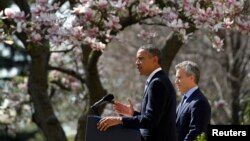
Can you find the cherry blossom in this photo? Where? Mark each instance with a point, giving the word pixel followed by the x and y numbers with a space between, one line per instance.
pixel 227 22
pixel 217 43
pixel 147 35
pixel 35 37
pixel 101 5
pixel 212 15
pixel 147 8
pixel 119 4
pixel 113 23
pixel 9 13
pixel 94 24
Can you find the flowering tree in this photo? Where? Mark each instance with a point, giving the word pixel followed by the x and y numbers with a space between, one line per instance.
pixel 228 93
pixel 68 37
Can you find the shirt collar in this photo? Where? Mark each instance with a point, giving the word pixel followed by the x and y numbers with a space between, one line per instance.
pixel 190 92
pixel 153 73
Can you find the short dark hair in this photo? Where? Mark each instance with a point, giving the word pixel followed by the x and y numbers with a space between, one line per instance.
pixel 154 51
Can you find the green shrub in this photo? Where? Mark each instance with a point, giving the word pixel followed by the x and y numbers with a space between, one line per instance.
pixel 201 137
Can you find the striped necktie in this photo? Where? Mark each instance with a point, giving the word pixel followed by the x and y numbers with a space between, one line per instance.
pixel 146 85
pixel 183 99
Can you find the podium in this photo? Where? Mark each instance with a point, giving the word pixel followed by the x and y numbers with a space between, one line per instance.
pixel 114 133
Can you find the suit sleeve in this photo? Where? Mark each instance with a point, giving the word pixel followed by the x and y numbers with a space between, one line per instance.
pixel 154 108
pixel 136 113
pixel 200 116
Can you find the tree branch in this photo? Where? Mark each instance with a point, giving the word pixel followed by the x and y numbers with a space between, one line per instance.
pixel 60 84
pixel 62 51
pixel 68 72
pixel 93 58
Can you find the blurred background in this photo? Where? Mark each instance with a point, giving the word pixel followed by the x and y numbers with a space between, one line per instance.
pixel 222 77
pixel 70 89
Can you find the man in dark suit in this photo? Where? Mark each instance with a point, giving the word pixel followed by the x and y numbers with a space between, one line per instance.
pixel 193 112
pixel 156 119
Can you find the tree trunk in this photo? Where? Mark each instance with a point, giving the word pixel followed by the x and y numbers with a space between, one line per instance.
pixel 235 102
pixel 43 114
pixel 96 92
pixel 235 84
pixel 236 45
pixel 169 51
pixel 235 110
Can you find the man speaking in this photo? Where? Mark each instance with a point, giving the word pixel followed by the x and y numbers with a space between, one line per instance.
pixel 156 119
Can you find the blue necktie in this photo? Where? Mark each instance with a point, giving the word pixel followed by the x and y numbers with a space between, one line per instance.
pixel 183 99
pixel 181 105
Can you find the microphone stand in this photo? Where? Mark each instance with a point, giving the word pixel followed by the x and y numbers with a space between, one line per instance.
pixel 96 112
pixel 106 99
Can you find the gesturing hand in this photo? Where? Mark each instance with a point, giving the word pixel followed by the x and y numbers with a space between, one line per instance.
pixel 125 110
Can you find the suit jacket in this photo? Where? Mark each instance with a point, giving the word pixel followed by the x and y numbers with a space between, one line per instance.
pixel 193 117
pixel 156 119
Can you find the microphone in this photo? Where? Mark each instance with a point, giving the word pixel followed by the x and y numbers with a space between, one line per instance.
pixel 106 99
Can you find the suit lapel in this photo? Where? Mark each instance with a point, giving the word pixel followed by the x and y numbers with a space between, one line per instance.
pixel 181 109
pixel 154 76
pixel 144 102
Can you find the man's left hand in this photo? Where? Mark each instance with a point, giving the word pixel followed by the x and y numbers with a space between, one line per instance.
pixel 107 122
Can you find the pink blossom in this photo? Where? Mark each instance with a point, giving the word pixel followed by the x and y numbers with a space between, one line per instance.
pixel 84 1
pixel 80 9
pixel 93 32
pixel 42 2
pixel 154 10
pixel 113 23
pixel 77 32
pixel 119 3
pixel 36 13
pixel 101 5
pixel 227 22
pixel 147 8
pixel 53 30
pixel 178 24
pixel 94 43
pixel 99 46
pixel 218 11
pixel 90 41
pixel 35 37
pixel 89 15
pixel 147 35
pixel 143 8
pixel 9 13
pixel 169 14
pixel 217 43
pixel 243 25
pixel 108 37
pixel 203 16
